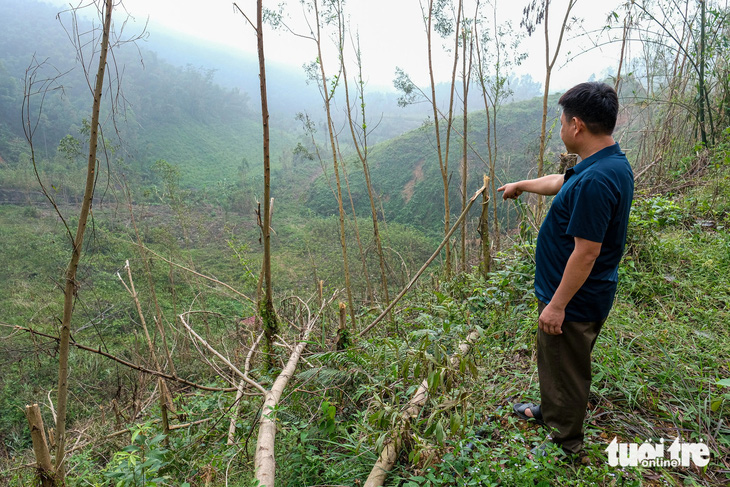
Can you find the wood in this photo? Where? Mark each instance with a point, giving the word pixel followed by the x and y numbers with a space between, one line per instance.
pixel 390 452
pixel 443 155
pixel 236 412
pixel 40 445
pixel 342 328
pixel 239 393
pixel 484 224
pixel 264 460
pixel 165 396
pixel 327 95
pixel 356 228
pixel 242 375
pixel 466 81
pixel 150 281
pixel 70 277
pixel 267 311
pixel 362 153
pixel 129 364
pixel 549 65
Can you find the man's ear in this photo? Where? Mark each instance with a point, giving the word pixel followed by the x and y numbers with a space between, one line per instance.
pixel 580 125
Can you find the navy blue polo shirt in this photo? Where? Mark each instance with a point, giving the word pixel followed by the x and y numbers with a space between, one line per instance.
pixel 594 204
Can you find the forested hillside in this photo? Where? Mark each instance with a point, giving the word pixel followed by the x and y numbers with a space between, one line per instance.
pixel 401 327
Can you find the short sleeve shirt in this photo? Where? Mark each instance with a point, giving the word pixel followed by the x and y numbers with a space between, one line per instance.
pixel 594 204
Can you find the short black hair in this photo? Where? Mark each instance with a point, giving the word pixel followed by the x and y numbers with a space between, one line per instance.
pixel 593 102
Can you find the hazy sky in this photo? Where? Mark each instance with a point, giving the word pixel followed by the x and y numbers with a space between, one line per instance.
pixel 391 32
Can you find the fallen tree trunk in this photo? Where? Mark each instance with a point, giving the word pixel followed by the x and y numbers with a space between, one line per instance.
pixel 390 452
pixel 264 460
pixel 239 394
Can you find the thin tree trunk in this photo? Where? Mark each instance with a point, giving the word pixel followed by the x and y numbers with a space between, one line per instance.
pixel 491 141
pixel 484 226
pixel 548 72
pixel 327 102
pixel 341 47
pixel 362 152
pixel 366 274
pixel 342 329
pixel 132 366
pixel 443 157
pixel 624 39
pixel 449 123
pixel 466 73
pixel 70 277
pixel 165 397
pixel 151 283
pixel 701 81
pixel 239 393
pixel 266 309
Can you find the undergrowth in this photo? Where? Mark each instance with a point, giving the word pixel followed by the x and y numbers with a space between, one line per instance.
pixel 661 370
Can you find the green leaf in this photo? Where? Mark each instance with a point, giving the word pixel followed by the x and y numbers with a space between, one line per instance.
pixel 439 432
pixel 723 382
pixel 455 422
pixel 135 433
pixel 434 380
pixel 157 439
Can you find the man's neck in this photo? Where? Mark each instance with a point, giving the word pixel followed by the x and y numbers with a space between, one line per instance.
pixel 595 144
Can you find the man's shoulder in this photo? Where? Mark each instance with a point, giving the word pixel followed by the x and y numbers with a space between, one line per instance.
pixel 614 166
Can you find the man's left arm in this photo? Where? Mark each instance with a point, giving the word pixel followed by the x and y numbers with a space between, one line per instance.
pixel 577 270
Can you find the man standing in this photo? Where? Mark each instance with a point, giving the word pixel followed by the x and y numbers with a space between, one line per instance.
pixel 579 247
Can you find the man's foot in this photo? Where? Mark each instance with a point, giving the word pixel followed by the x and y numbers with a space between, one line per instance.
pixel 528 410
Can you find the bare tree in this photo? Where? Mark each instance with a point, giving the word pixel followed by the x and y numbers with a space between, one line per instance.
pixel 467 47
pixel 538 12
pixel 89 46
pixel 443 27
pixel 77 240
pixel 689 32
pixel 360 141
pixel 265 307
pixel 497 48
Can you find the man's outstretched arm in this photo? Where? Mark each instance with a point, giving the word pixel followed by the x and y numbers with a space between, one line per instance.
pixel 546 186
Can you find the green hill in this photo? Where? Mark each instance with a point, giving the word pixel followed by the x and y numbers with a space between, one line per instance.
pixel 406 174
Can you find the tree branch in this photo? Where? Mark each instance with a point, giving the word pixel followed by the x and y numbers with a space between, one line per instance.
pixel 124 362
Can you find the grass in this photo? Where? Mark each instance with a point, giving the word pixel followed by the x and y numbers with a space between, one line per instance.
pixel 657 365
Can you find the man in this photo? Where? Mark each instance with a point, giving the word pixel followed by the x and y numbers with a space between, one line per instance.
pixel 578 251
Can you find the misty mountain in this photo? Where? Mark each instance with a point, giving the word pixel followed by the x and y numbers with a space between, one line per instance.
pixel 195 107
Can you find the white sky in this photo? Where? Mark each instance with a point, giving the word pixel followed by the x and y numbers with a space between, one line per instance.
pixel 391 32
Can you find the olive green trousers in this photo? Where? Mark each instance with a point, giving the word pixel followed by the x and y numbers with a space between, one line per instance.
pixel 564 369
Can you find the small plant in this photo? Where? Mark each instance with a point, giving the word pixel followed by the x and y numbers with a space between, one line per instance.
pixel 655 212
pixel 139 464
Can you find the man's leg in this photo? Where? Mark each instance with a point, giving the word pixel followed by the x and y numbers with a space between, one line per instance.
pixel 564 368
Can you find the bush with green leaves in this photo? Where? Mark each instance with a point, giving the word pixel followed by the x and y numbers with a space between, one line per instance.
pixel 142 463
